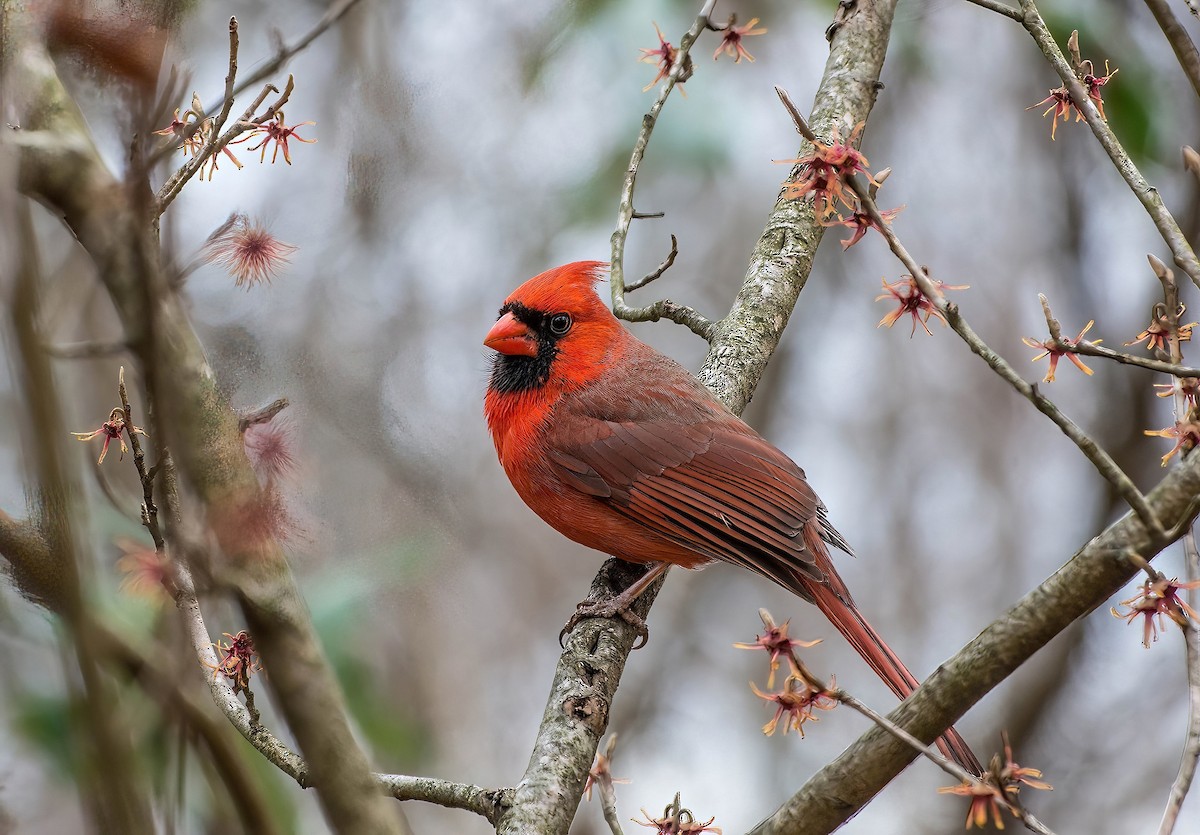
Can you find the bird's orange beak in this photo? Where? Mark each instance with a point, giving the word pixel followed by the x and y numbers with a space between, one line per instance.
pixel 511 336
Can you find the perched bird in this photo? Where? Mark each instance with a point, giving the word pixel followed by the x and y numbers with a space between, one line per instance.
pixel 619 448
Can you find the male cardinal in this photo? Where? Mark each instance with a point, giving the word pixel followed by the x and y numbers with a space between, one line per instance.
pixel 619 448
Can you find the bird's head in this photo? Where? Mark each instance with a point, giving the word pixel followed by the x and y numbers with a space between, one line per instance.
pixel 554 326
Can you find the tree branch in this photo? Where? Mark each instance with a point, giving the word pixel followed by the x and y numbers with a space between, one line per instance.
pixel 116 231
pixel 1096 572
pixel 1147 195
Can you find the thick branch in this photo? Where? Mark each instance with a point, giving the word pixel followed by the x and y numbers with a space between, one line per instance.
pixel 1093 574
pixel 115 230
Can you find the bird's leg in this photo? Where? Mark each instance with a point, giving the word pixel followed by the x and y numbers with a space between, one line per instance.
pixel 619 605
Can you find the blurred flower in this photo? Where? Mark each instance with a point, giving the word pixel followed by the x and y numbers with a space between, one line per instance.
pixel 254 521
pixel 1092 83
pixel 1060 102
pixel 775 640
pixel 1158 598
pixel 731 40
pixel 1055 352
pixel 860 222
pixel 688 825
pixel 984 798
pixel 600 775
pixel 1158 333
pixel 248 251
pixel 794 704
pixel 1185 432
pixel 147 572
pixel 913 302
pixel 237 660
pixel 276 131
pixel 110 430
pixel 269 448
pixel 822 171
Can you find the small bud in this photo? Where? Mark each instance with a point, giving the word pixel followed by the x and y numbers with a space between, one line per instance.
pixel 1160 269
pixel 1073 48
pixel 1191 160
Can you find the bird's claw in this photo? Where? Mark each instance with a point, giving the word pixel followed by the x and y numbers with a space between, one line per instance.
pixel 608 608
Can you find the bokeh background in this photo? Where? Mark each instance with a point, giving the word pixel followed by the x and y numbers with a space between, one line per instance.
pixel 464 146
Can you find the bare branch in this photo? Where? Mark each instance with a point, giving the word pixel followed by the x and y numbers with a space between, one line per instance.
pixel 999 8
pixel 662 268
pixel 1096 572
pixel 263 414
pixel 1181 42
pixel 1191 746
pixel 1100 459
pixel 1146 194
pixel 664 309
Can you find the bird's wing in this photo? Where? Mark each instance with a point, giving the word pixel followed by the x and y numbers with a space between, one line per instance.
pixel 725 494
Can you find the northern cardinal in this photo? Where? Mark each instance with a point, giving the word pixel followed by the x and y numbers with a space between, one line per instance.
pixel 619 448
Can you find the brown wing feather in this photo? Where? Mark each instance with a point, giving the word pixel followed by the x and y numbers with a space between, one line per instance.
pixel 720 492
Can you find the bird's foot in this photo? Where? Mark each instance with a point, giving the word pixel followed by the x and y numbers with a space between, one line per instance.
pixel 611 607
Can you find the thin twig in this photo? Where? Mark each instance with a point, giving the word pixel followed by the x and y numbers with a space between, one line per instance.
pixel 284 54
pixel 1090 349
pixel 263 414
pixel 171 188
pixel 149 509
pixel 1164 221
pixel 485 802
pixel 802 127
pixel 662 268
pixel 1191 747
pixel 934 756
pixel 663 309
pixel 999 8
pixel 1101 460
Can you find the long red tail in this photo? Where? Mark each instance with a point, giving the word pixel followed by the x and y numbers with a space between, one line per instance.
pixel 875 651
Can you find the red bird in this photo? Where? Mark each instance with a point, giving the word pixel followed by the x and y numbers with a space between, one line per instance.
pixel 619 448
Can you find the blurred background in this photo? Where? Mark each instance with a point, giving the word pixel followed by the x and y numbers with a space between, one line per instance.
pixel 465 146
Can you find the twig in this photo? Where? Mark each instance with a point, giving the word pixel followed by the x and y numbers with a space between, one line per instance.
pixel 263 414
pixel 999 8
pixel 664 308
pixel 662 268
pixel 802 127
pixel 933 755
pixel 1191 746
pixel 485 802
pixel 1168 228
pixel 332 15
pixel 171 188
pixel 1181 42
pixel 149 509
pixel 1090 349
pixel 86 350
pixel 1101 460
pixel 284 54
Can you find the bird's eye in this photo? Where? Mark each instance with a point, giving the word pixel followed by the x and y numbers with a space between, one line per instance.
pixel 560 323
